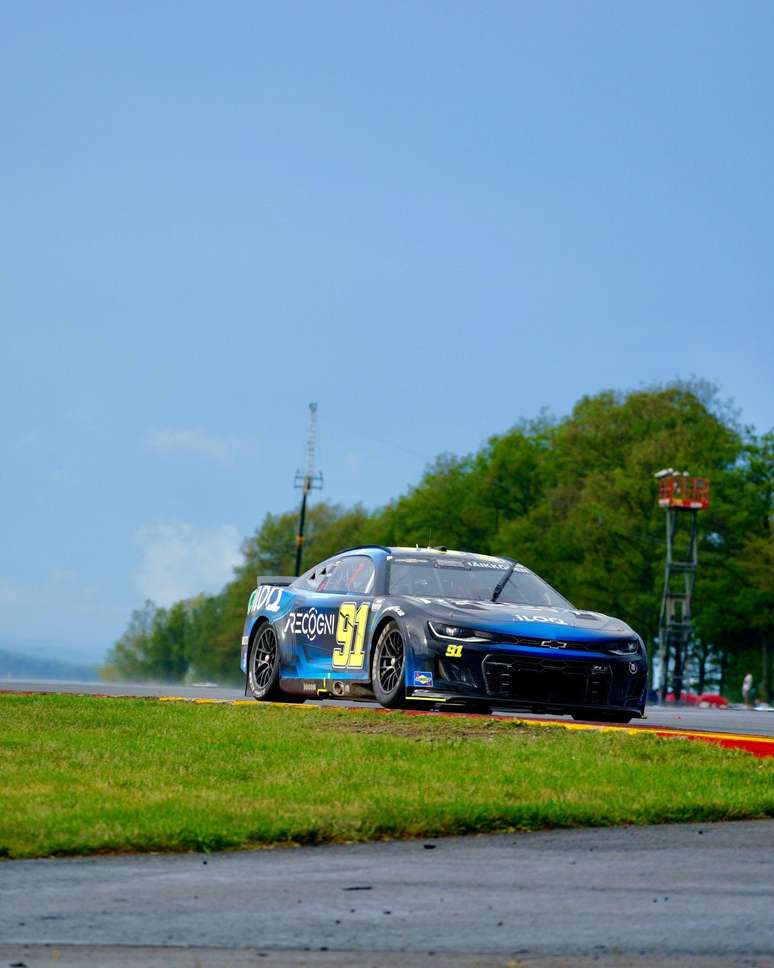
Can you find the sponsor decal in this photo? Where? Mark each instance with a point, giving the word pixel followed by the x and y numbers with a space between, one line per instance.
pixel 377 604
pixel 471 563
pixel 550 619
pixel 245 639
pixel 310 623
pixel 452 561
pixel 492 565
pixel 265 596
pixel 633 668
pixel 346 626
pixel 423 679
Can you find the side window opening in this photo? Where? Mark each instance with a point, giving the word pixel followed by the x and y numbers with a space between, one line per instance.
pixel 353 576
pixel 361 578
pixel 329 577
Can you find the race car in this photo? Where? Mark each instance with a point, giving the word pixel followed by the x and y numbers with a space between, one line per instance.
pixel 425 626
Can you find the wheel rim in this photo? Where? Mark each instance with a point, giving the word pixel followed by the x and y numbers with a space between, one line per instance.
pixel 264 654
pixel 390 664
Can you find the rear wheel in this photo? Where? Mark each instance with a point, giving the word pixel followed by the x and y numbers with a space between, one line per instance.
pixel 263 664
pixel 263 668
pixel 387 671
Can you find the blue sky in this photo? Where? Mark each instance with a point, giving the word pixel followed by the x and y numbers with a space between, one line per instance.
pixel 431 218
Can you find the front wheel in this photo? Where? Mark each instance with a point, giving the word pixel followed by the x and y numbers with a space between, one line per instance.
pixel 387 672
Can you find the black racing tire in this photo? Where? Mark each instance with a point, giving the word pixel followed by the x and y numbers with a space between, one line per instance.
pixel 388 668
pixel 263 668
pixel 621 718
pixel 263 664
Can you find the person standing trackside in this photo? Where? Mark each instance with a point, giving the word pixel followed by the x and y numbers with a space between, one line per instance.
pixel 747 684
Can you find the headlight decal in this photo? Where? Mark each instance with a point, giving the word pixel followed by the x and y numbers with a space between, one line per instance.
pixel 446 632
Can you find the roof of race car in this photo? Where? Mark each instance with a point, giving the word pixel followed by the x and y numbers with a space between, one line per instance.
pixel 449 553
pixel 418 552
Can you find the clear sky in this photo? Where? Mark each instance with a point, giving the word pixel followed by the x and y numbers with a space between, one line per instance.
pixel 432 218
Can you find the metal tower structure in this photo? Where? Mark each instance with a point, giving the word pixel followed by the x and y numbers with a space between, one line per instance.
pixel 682 496
pixel 307 481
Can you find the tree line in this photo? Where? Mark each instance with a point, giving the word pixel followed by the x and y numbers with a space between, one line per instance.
pixel 572 498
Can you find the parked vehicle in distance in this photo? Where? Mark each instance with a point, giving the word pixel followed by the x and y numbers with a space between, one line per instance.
pixel 423 626
pixel 704 700
pixel 707 700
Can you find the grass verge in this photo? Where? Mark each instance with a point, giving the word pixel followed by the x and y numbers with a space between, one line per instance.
pixel 81 775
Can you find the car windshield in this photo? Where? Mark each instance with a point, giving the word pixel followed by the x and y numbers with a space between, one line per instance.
pixel 472 580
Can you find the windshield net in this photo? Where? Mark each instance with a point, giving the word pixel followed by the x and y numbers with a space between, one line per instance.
pixel 473 580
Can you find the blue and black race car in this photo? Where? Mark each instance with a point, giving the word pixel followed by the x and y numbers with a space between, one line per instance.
pixel 419 626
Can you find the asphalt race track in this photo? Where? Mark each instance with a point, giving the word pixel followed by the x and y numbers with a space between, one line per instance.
pixel 694 894
pixel 685 717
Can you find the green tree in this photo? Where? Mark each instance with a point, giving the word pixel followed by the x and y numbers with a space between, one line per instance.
pixel 128 657
pixel 598 533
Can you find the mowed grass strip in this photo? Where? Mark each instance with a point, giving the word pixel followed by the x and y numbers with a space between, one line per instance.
pixel 83 775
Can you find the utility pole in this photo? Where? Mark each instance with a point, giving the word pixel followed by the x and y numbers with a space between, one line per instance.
pixel 682 497
pixel 307 481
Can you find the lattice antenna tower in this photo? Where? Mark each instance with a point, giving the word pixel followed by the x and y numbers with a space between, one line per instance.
pixel 682 496
pixel 309 480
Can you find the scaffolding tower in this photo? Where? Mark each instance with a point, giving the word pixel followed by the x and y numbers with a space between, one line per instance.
pixel 682 496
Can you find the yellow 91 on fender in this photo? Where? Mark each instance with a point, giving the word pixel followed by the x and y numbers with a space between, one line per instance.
pixel 350 636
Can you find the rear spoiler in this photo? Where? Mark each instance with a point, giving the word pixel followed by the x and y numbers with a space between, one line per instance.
pixel 282 580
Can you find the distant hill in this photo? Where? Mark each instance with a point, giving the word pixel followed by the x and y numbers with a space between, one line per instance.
pixel 15 665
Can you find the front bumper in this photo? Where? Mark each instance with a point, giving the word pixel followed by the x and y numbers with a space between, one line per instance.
pixel 549 682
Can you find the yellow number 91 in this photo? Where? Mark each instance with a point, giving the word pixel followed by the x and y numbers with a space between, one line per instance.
pixel 350 636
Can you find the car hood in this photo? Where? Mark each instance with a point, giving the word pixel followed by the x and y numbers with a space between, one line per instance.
pixel 547 623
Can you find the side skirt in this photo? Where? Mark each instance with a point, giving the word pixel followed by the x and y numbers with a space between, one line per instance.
pixel 328 688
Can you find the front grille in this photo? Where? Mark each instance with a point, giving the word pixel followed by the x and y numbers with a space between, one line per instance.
pixel 617 645
pixel 548 680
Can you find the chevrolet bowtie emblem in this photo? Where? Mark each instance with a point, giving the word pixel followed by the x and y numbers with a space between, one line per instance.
pixel 550 644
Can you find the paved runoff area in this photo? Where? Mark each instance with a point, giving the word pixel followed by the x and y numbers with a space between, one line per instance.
pixel 689 895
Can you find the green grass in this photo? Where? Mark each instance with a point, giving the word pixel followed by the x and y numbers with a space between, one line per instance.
pixel 82 775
